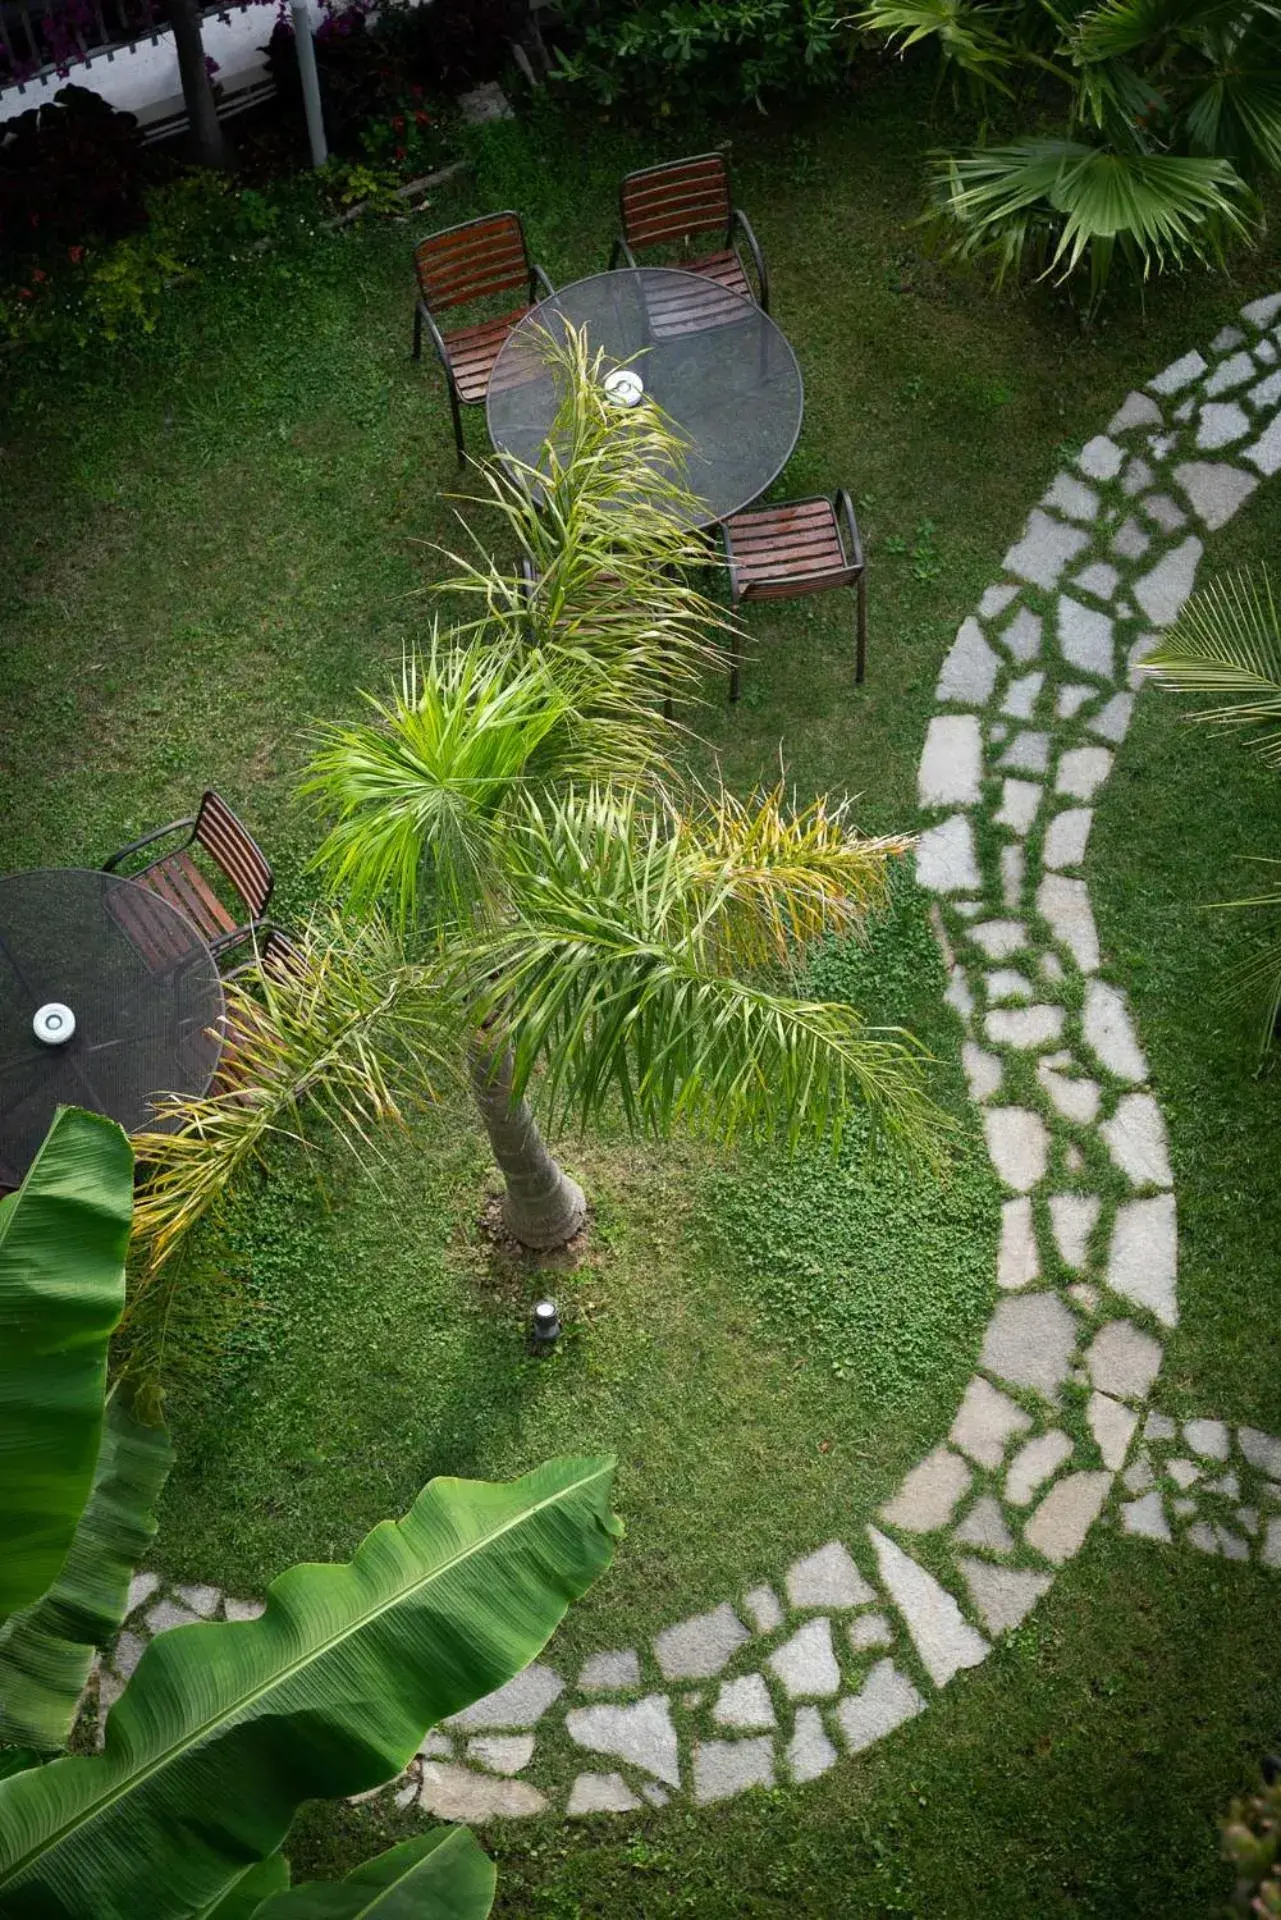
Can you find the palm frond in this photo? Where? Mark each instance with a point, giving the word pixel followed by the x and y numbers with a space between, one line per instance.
pixel 339 1040
pixel 1051 204
pixel 1227 640
pixel 969 37
pixel 607 973
pixel 1238 110
pixel 1114 28
pixel 774 877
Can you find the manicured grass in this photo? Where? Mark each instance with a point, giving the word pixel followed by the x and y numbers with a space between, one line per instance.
pixel 223 535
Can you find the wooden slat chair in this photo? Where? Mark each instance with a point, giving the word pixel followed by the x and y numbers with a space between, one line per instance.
pixel 672 205
pixel 176 879
pixel 804 546
pixel 276 954
pixel 458 267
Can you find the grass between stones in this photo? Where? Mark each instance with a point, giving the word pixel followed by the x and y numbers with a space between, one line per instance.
pixel 224 535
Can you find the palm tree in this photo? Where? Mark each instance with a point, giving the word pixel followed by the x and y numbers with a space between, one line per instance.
pixel 513 801
pixel 1227 641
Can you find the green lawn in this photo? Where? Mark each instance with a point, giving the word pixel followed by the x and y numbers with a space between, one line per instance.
pixel 223 535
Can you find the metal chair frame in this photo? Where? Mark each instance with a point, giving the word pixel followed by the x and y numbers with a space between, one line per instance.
pixel 194 829
pixel 736 222
pixel 851 573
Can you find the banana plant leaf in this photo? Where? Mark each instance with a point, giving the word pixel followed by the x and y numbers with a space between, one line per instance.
pixel 62 1290
pixel 226 1729
pixel 243 1899
pixel 46 1658
pixel 441 1875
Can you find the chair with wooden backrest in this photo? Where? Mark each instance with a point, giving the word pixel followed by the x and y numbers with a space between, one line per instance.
pixel 460 266
pixel 176 879
pixel 804 546
pixel 672 205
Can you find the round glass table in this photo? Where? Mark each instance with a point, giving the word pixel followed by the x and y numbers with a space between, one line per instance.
pixel 716 365
pixel 108 997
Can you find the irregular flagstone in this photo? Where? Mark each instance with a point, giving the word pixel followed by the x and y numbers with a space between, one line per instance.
pixel 958 995
pixel 1029 1341
pixel 1221 422
pixel 806 1664
pixel 1085 637
pixel 1073 1217
pixel 1017 1145
pixel 1064 905
pixel 1027 753
pixel 1216 490
pixel 809 1752
pixel 1162 592
pixel 1226 338
pixel 943 1637
pixel 1046 547
pixel 1082 771
pixel 1017 1262
pixel 1130 541
pixel 1143 1258
pixel 1027 1028
pixel 1086 1297
pixel 1021 696
pixel 1137 410
pixel 1267 394
pixel 745 1703
pixel 202 1600
pixel 1106 1026
pixel 1260 313
pixel 129 1650
pixel 996 599
pixel 1124 1360
pixel 1112 722
pixel 601 1793
pixel 723 1768
pixel 641 1734
pixel 945 858
pixel 1146 1517
pixel 1159 1426
pixel 1021 637
pixel 1072 497
pixel 886 1699
pixel 504 1753
pixel 763 1608
pixel 166 1615
pixel 984 1526
pixel 1076 1100
pixel 986 1422
pixel 1034 1464
pixel 141 1588
pixel 244 1609
pixel 1179 374
pixel 696 1649
pixel 827 1578
pixel 928 1496
pixel 1270 1553
pixel 610 1672
pixel 1138 1476
pixel 951 766
pixel 1209 1438
pixel 456 1793
pixel 1265 454
pixel 1261 1450
pixel 1012 870
pixel 1007 983
pixel 1135 1138
pixel 1058 1527
pixel 1003 1596
pixel 1070 699
pixel 1099 578
pixel 521 1703
pixel 969 672
pixel 1167 514
pixel 1100 458
pixel 999 938
pixel 982 1072
pixel 1233 372
pixel 1112 1425
pixel 869 1630
pixel 1019 802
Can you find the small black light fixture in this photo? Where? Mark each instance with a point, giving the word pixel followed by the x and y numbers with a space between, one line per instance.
pixel 545 1328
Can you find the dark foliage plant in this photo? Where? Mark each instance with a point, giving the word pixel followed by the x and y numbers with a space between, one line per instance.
pixel 69 168
pixel 724 52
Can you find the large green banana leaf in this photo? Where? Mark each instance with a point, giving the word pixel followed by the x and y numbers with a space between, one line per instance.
pixel 62 1289
pixel 45 1660
pixel 226 1729
pixel 242 1899
pixel 442 1875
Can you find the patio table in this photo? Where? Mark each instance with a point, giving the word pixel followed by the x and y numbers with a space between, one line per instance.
pixel 108 997
pixel 720 369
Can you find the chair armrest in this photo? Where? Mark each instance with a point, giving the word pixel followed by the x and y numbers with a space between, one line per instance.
pixel 845 510
pixel 437 338
pixel 136 846
pixel 236 937
pixel 730 568
pixel 738 218
pixel 537 278
pixel 621 251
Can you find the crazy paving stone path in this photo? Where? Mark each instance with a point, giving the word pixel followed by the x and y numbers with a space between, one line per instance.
pixel 798 1674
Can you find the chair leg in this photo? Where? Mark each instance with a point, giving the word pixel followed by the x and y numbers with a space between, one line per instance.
pixel 860 660
pixel 734 659
pixel 417 352
pixel 458 425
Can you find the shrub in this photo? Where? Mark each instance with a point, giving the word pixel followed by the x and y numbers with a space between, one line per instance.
pixel 723 51
pixel 68 169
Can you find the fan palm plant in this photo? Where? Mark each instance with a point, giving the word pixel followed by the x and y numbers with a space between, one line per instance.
pixel 1227 642
pixel 1152 123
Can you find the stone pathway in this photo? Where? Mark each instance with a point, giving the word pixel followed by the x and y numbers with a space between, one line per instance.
pixel 786 1680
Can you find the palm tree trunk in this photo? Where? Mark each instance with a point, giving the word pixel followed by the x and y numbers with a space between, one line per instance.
pixel 207 142
pixel 542 1206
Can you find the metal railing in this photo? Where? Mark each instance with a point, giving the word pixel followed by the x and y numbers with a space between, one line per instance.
pixel 39 37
